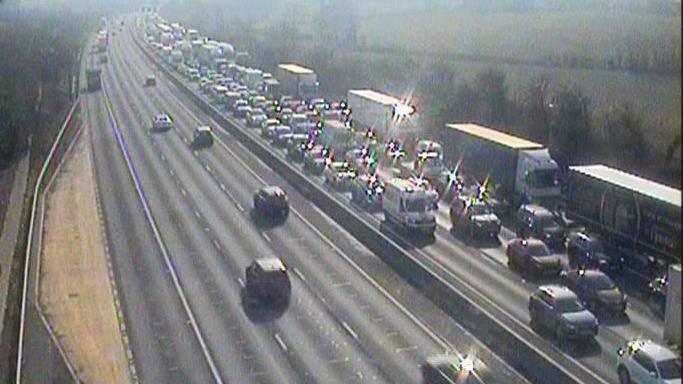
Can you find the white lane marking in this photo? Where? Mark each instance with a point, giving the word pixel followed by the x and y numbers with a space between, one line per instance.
pixel 350 330
pixel 241 282
pixel 183 192
pixel 300 274
pixel 265 236
pixel 280 342
pixel 222 187
pixel 240 207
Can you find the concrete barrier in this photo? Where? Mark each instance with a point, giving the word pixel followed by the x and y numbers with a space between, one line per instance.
pixel 495 328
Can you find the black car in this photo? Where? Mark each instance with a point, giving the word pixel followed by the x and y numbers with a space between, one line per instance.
pixel 474 217
pixel 202 137
pixel 533 257
pixel 267 279
pixel 558 309
pixel 271 202
pixel 596 290
pixel 539 222
pixel 586 250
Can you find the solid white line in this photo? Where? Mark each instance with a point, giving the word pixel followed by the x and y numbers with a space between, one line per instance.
pixel 280 342
pixel 157 236
pixel 350 330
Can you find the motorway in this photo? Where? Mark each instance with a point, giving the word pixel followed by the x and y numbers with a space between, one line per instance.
pixel 181 232
pixel 484 271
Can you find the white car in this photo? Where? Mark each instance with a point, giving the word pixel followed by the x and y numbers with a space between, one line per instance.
pixel 162 122
pixel 646 362
pixel 339 174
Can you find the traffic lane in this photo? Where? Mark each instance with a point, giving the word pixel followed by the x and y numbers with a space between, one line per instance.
pixel 245 353
pixel 192 193
pixel 247 196
pixel 245 201
pixel 152 308
pixel 640 320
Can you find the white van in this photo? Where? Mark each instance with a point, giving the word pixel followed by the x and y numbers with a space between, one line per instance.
pixel 409 207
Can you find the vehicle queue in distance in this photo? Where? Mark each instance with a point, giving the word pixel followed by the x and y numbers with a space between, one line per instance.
pixel 322 136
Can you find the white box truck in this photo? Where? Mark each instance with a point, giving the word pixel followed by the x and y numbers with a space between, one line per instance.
pixel 297 81
pixel 386 115
pixel 409 207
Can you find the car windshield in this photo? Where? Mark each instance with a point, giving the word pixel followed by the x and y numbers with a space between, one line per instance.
pixel 418 205
pixel 568 305
pixel 543 178
pixel 601 283
pixel 479 209
pixel 546 221
pixel 538 249
pixel 670 369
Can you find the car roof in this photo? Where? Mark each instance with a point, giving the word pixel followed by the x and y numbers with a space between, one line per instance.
pixel 535 209
pixel 656 351
pixel 162 116
pixel 557 291
pixel 529 241
pixel 273 190
pixel 271 264
pixel 442 360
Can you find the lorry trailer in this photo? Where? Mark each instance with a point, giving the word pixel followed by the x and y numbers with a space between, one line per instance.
pixel 298 81
pixel 519 170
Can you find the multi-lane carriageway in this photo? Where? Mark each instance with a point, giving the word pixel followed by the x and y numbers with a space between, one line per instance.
pixel 180 229
pixel 181 233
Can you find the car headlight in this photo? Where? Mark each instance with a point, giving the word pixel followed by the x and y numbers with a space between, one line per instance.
pixel 548 235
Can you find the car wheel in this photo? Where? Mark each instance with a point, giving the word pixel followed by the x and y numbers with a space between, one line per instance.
pixel 624 377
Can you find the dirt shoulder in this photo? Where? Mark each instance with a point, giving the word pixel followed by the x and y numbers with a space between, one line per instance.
pixel 75 290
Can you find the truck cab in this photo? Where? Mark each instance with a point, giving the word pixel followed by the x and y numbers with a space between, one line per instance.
pixel 537 177
pixel 409 206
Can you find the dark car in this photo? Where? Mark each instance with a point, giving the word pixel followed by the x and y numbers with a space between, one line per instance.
pixel 474 217
pixel 532 256
pixel 150 81
pixel 585 250
pixel 202 137
pixel 267 279
pixel 315 159
pixel 366 191
pixel 446 369
pixel 558 309
pixel 596 290
pixel 541 223
pixel 296 147
pixel 271 202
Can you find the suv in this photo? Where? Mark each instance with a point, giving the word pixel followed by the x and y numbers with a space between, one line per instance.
pixel 267 278
pixel 268 126
pixel 558 309
pixel 539 222
pixel 296 146
pixel 645 362
pixel 271 201
pixel 475 217
pixel 162 122
pixel 150 81
pixel 255 117
pixel 596 290
pixel 584 250
pixel 533 256
pixel 202 137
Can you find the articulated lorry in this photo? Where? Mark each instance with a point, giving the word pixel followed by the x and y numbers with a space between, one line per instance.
pixel 387 116
pixel 297 81
pixel 638 219
pixel 520 171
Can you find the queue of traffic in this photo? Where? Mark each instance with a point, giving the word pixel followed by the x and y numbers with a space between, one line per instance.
pixel 369 164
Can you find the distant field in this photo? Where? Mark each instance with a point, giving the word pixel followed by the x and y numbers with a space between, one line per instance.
pixel 531 36
pixel 535 36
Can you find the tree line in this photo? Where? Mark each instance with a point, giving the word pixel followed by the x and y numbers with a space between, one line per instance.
pixel 39 48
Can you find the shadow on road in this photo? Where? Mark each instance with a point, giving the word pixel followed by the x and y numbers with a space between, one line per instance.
pixel 259 310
